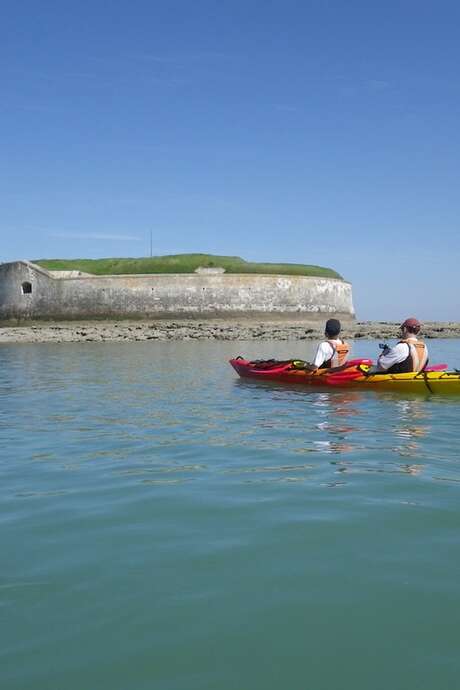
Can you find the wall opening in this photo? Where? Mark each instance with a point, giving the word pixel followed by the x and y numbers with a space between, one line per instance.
pixel 26 288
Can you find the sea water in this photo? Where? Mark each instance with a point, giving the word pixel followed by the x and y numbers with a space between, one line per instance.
pixel 167 525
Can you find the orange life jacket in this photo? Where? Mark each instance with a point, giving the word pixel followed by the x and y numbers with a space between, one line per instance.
pixel 341 350
pixel 416 360
pixel 418 353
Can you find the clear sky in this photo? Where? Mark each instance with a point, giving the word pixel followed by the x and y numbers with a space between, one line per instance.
pixel 315 131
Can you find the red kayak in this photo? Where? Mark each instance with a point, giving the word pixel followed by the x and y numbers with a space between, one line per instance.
pixel 291 371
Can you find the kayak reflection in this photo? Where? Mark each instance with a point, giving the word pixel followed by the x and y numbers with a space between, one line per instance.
pixel 362 432
pixel 340 410
pixel 412 424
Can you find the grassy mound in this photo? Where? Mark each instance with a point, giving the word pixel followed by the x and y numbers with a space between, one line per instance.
pixel 181 263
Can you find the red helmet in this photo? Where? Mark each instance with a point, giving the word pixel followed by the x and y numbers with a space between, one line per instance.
pixel 412 324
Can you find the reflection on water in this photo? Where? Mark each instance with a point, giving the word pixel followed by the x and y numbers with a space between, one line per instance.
pixel 413 422
pixel 337 408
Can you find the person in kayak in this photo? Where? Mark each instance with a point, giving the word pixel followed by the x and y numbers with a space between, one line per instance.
pixel 408 355
pixel 333 351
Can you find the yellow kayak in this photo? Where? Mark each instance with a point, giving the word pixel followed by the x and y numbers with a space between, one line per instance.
pixel 439 382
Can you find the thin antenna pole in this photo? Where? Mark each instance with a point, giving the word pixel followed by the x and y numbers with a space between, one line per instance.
pixel 150 242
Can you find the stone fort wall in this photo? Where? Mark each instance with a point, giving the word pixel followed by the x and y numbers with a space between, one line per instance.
pixel 29 292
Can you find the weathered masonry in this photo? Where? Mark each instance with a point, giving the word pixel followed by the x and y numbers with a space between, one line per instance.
pixel 29 292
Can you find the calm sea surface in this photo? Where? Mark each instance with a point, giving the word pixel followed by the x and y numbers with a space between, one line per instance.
pixel 166 526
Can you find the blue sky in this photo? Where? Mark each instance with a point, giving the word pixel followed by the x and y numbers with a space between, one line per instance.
pixel 322 132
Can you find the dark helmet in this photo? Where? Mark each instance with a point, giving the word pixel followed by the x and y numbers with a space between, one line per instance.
pixel 333 327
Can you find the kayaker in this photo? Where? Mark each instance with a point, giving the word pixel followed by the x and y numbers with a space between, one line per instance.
pixel 333 351
pixel 408 355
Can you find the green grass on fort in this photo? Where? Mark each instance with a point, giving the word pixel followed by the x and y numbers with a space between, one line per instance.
pixel 182 263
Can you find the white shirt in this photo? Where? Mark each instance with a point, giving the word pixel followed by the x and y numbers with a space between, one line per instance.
pixel 324 353
pixel 396 354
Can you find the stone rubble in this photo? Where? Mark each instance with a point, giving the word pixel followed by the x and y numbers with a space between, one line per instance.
pixel 162 330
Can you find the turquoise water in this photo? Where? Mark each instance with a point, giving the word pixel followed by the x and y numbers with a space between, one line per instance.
pixel 166 525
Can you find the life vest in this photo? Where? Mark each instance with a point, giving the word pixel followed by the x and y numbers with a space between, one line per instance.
pixel 416 360
pixel 340 353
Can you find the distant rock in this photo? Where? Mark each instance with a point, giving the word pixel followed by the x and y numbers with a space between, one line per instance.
pixel 219 329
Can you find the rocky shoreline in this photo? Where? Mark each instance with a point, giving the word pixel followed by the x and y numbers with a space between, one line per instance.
pixel 124 331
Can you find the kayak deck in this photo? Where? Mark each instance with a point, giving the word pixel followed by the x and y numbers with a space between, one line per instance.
pixel 438 382
pixel 350 376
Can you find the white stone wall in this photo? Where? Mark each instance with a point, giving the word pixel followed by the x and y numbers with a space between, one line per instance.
pixel 169 295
